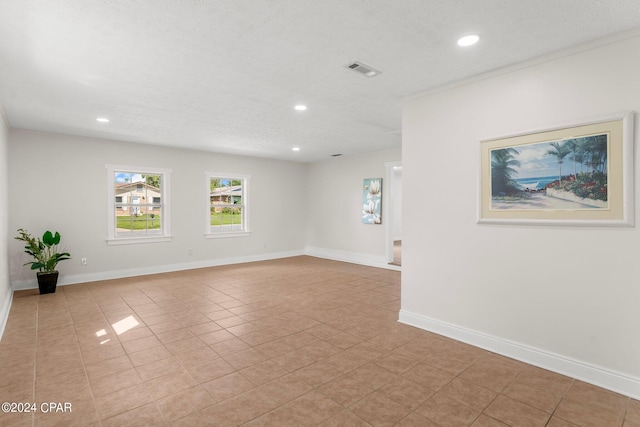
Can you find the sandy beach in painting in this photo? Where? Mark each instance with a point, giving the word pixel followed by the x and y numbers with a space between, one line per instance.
pixel 538 201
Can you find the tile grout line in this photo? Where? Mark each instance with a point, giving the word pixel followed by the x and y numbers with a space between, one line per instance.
pixel 35 357
pixel 84 366
pixel 555 408
pixel 127 353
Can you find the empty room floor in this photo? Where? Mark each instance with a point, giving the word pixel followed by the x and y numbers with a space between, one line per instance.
pixel 293 342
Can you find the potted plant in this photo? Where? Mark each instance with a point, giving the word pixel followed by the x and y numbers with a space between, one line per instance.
pixel 46 256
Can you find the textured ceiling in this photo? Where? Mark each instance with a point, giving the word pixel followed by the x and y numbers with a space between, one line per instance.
pixel 224 75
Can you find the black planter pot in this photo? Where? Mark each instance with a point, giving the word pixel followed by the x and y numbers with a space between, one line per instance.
pixel 47 281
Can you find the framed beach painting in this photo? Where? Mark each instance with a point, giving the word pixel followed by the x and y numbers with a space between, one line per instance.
pixel 372 201
pixel 576 175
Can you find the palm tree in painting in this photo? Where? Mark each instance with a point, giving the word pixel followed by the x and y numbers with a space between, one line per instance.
pixel 591 151
pixel 580 154
pixel 559 152
pixel 598 149
pixel 573 147
pixel 503 164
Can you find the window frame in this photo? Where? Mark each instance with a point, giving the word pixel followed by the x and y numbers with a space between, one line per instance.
pixel 246 183
pixel 165 206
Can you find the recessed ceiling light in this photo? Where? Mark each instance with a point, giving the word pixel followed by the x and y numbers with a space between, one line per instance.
pixel 468 40
pixel 300 107
pixel 102 120
pixel 296 148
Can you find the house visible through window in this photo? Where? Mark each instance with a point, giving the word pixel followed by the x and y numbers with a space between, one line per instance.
pixel 138 208
pixel 228 208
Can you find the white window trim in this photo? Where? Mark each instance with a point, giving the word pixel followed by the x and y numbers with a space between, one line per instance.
pixel 245 190
pixel 111 200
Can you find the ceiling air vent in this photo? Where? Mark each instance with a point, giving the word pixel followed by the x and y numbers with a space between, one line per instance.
pixel 363 69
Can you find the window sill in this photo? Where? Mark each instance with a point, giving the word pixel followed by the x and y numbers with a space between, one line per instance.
pixel 227 234
pixel 137 240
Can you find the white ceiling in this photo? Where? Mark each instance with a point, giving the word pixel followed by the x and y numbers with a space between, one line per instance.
pixel 224 75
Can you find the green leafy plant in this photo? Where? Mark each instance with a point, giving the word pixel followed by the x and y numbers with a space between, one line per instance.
pixel 44 251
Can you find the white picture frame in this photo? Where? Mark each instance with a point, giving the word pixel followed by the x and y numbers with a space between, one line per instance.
pixel 594 189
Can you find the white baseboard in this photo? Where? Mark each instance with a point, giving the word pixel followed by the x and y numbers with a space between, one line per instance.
pixel 601 377
pixel 363 259
pixel 4 310
pixel 351 257
pixel 20 285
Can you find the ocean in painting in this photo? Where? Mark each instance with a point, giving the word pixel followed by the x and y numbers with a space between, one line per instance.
pixel 537 183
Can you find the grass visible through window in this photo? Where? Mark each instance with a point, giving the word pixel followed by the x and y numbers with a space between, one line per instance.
pixel 142 222
pixel 220 218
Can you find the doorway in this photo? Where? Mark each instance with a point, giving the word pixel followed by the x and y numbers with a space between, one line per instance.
pixel 394 213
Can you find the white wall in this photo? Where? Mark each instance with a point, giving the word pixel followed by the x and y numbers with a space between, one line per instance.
pixel 59 183
pixel 334 193
pixel 6 293
pixel 565 298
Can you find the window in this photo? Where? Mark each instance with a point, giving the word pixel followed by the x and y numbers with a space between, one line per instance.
pixel 227 205
pixel 138 204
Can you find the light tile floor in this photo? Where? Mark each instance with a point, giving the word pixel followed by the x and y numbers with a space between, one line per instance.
pixel 292 342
